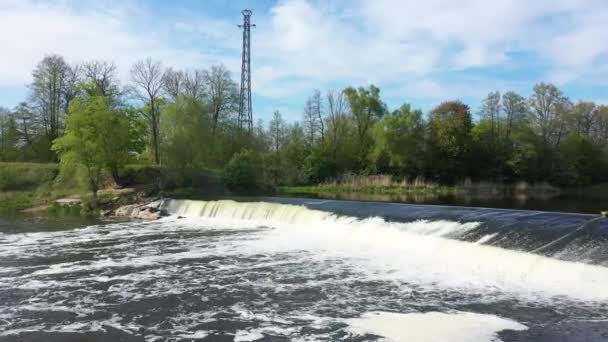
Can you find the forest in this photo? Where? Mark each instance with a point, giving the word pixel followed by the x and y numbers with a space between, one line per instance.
pixel 183 123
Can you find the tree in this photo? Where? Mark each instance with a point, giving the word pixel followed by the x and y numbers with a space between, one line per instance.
pixel 222 92
pixel 547 116
pixel 450 127
pixel 336 119
pixel 173 83
pixel 51 92
pixel 583 115
pixel 146 77
pixel 240 174
pixel 186 131
pixel 314 125
pixel 515 108
pixel 490 110
pixel 9 136
pixel 276 129
pixel 400 139
pixel 25 120
pixel 295 153
pixel 102 75
pixel 366 108
pixel 96 139
pixel 600 129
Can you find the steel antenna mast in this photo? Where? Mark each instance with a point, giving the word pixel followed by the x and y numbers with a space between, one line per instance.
pixel 245 110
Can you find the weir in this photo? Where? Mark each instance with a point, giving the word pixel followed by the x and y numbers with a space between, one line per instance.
pixel 483 249
pixel 565 236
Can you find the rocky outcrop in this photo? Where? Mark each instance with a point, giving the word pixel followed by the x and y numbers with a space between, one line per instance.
pixel 140 211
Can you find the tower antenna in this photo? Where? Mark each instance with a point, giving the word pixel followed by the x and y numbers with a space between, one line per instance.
pixel 245 110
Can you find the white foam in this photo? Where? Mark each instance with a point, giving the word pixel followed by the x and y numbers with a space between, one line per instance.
pixel 414 252
pixel 432 326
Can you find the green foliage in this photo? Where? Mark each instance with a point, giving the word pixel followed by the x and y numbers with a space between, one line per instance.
pixel 318 167
pixel 450 127
pixel 136 174
pixel 241 172
pixel 186 123
pixel 366 108
pixel 186 135
pixel 96 140
pixel 399 141
pixel 26 176
pixel 581 162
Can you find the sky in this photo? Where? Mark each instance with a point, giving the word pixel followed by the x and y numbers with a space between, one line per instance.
pixel 419 52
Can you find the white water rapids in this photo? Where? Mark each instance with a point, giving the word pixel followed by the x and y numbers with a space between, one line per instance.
pixel 224 270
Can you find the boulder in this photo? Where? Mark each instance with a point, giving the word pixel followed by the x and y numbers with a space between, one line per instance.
pixel 138 211
pixel 68 201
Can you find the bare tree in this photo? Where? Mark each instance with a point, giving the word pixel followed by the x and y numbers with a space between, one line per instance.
pixel 490 110
pixel 314 126
pixel 25 121
pixel 317 105
pixel 515 108
pixel 194 84
pixel 173 82
pixel 548 106
pixel 336 114
pixel 51 91
pixel 222 93
pixel 584 115
pixel 103 75
pixel 600 128
pixel 277 131
pixel 147 79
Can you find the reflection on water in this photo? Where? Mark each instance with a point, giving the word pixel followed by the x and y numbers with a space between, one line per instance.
pixel 540 201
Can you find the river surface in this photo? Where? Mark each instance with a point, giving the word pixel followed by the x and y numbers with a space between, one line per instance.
pixel 575 203
pixel 278 269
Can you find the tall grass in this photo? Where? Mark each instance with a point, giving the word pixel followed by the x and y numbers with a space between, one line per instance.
pixel 387 184
pixel 26 176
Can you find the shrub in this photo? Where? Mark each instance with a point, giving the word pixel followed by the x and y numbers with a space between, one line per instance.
pixel 139 174
pixel 25 176
pixel 240 172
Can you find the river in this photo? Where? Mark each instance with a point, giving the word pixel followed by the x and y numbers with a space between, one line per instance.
pixel 288 269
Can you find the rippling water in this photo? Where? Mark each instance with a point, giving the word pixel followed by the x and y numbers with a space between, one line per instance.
pixel 231 271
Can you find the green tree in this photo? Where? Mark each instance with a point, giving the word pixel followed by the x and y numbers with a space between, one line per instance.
pixel 450 127
pixel 96 139
pixel 241 172
pixel 9 136
pixel 399 138
pixel 186 132
pixel 295 153
pixel 277 132
pixel 366 108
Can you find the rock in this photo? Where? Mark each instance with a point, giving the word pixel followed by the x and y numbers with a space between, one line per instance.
pixel 68 201
pixel 138 211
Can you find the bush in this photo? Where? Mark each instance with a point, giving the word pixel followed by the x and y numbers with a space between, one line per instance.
pixel 26 176
pixel 318 168
pixel 140 174
pixel 240 172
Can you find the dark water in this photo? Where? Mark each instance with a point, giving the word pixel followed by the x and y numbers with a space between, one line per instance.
pixel 274 272
pixel 546 202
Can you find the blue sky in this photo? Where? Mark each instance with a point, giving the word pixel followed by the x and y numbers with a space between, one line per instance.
pixel 421 52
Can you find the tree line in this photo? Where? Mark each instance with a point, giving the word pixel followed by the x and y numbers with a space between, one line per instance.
pixel 185 122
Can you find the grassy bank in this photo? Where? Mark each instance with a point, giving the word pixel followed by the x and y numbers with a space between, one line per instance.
pixel 26 176
pixel 388 185
pixel 34 185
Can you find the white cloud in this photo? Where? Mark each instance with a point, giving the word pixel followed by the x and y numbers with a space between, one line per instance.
pixel 30 30
pixel 301 45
